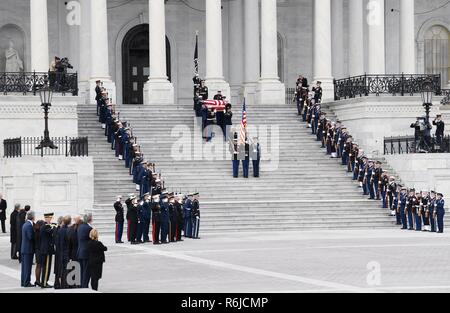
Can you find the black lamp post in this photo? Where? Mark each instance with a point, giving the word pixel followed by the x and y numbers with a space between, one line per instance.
pixel 46 94
pixel 427 97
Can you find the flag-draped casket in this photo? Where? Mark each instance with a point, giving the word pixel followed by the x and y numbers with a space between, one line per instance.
pixel 218 105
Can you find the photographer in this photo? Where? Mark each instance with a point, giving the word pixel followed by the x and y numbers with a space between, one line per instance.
pixel 61 70
pixel 422 135
pixel 440 126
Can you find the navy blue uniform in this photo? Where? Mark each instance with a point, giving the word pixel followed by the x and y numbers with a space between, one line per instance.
pixel 440 213
pixel 164 221
pixel 47 250
pixel 146 218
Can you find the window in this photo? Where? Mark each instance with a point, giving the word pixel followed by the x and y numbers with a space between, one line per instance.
pixel 437 52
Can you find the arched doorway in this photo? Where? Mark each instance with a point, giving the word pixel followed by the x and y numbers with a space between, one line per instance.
pixel 135 63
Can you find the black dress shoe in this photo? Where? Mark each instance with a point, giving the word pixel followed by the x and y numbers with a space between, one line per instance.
pixel 29 285
pixel 37 284
pixel 46 286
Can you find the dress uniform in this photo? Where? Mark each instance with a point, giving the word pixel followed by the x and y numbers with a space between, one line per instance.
pixel 410 207
pixel 370 175
pixel 180 218
pixel 391 193
pixel 204 93
pixel 227 120
pixel 173 219
pixel 146 217
pixel 195 217
pixel 140 223
pixel 432 208
pixel 134 219
pixel 318 92
pixel 211 117
pixel 98 95
pixel 417 212
pixel 47 248
pixel 425 210
pixel 156 219
pixel 403 207
pixel 118 207
pixel 187 217
pixel 164 218
pixel 256 156
pixel 244 155
pixel 234 150
pixel 376 180
pixel 383 186
pixel 440 126
pixel 440 212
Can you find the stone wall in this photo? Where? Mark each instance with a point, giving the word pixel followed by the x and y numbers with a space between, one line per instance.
pixel 22 116
pixel 371 119
pixel 423 171
pixel 57 184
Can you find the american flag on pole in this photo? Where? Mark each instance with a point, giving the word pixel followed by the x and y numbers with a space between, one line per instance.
pixel 243 131
pixel 196 53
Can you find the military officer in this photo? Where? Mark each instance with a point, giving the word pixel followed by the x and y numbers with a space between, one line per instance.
pixel 403 204
pixel 47 248
pixel 173 219
pixel 187 216
pixel 440 212
pixel 317 92
pixel 203 90
pixel 118 207
pixel 255 156
pixel 164 218
pixel 133 219
pixel 180 218
pixel 146 217
pixel 432 208
pixel 140 222
pixel 234 150
pixel 227 120
pixel 244 155
pixel 377 172
pixel 425 210
pixel 417 212
pixel 196 216
pixel 440 126
pixel 410 207
pixel 156 219
pixel 391 194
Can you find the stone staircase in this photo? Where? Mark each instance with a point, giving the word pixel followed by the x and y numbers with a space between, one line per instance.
pixel 307 191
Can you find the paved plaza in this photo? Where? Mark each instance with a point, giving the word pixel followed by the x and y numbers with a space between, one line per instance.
pixel 320 261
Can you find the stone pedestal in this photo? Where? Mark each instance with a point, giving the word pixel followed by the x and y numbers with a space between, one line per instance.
pixel 270 92
pixel 158 91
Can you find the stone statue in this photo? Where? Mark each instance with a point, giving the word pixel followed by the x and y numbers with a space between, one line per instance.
pixel 13 62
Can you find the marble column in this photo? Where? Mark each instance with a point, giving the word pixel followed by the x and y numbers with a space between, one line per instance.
pixel 251 50
pixel 356 38
pixel 84 70
pixel 158 89
pixel 236 53
pixel 269 90
pixel 40 60
pixel 376 47
pixel 214 53
pixel 337 41
pixel 100 54
pixel 407 40
pixel 322 48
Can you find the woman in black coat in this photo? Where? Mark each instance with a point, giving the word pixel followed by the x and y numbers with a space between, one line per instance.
pixel 96 258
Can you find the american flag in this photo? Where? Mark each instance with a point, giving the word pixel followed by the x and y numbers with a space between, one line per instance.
pixel 243 125
pixel 218 105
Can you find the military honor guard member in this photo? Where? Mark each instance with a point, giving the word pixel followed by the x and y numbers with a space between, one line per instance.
pixel 432 208
pixel 27 250
pixel 164 217
pixel 403 205
pixel 440 212
pixel 195 215
pixel 156 219
pixel 47 250
pixel 256 156
pixel 119 219
pixel 234 150
pixel 187 216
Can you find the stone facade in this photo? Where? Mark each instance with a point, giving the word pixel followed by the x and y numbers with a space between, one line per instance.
pixel 183 18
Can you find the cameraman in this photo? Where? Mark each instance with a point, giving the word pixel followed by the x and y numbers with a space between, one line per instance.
pixel 440 126
pixel 422 134
pixel 52 71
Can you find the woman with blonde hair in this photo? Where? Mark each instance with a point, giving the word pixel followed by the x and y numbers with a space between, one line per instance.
pixel 96 258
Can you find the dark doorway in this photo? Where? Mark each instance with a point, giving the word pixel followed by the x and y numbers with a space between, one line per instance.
pixel 135 63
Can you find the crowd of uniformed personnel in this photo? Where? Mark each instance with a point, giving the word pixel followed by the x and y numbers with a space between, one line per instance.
pixel 47 244
pixel 169 215
pixel 413 210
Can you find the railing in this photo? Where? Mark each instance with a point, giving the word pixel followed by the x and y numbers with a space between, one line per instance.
pixel 67 146
pixel 290 92
pixel 408 144
pixel 396 84
pixel 30 82
pixel 446 94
